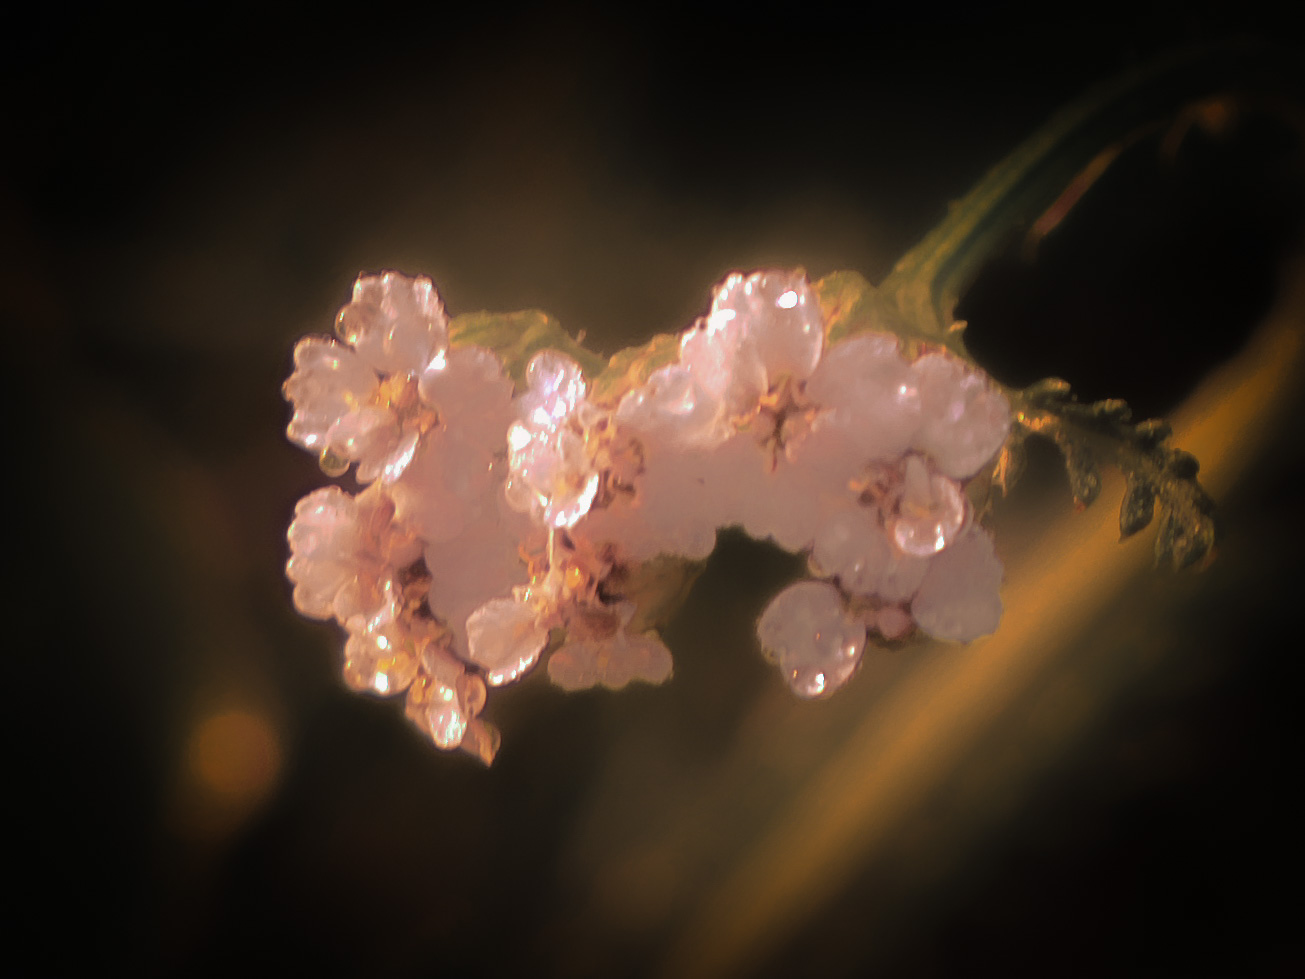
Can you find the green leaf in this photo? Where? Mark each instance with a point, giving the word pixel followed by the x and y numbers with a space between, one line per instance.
pixel 1113 410
pixel 1152 432
pixel 1188 531
pixel 1049 173
pixel 1183 465
pixel 1138 506
pixel 658 587
pixel 1156 472
pixel 1184 538
pixel 1081 465
pixel 1048 392
pixel 631 367
pixel 847 303
pixel 516 337
pixel 851 305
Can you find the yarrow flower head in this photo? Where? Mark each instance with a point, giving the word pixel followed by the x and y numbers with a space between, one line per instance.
pixel 500 525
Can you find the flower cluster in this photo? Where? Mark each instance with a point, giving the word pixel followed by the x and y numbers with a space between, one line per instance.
pixel 497 524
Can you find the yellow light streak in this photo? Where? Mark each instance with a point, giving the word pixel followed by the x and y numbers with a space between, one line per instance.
pixel 921 729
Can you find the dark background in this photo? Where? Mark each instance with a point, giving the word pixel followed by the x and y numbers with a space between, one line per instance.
pixel 183 196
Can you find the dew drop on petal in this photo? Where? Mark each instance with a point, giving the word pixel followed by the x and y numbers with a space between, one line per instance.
pixel 447 723
pixel 332 464
pixel 378 656
pixel 444 698
pixel 931 513
pixel 816 646
pixel 429 707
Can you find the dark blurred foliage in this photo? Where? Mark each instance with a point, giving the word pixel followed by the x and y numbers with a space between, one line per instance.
pixel 183 194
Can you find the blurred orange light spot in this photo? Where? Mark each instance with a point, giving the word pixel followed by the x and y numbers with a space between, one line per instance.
pixel 236 755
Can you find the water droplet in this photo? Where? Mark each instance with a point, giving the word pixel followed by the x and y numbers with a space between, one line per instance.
pixel 333 465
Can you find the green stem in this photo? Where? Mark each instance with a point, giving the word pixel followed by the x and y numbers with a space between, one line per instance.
pixel 922 291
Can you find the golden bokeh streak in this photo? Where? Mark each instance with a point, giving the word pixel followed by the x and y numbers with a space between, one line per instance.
pixel 917 734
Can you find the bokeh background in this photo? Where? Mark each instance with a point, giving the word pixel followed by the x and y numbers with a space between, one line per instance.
pixel 183 196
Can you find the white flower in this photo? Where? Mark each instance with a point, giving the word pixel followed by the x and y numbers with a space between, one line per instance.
pixel 815 644
pixel 964 418
pixel 455 472
pixel 358 403
pixel 959 597
pixel 444 699
pixel 505 637
pixel 395 322
pixel 381 653
pixel 609 657
pixel 761 326
pixel 853 547
pixel 868 396
pixel 344 550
